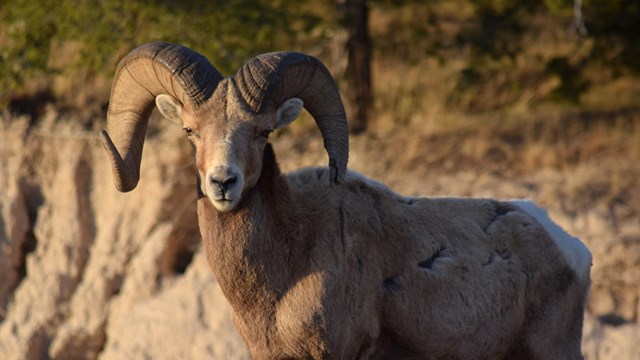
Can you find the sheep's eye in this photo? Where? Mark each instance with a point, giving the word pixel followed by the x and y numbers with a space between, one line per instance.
pixel 188 131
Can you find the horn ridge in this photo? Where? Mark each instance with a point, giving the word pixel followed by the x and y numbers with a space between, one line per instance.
pixel 146 72
pixel 272 78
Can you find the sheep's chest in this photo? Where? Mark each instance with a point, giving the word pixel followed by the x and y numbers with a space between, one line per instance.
pixel 318 318
pixel 301 318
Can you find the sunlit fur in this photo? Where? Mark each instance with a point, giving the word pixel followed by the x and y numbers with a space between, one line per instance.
pixel 356 271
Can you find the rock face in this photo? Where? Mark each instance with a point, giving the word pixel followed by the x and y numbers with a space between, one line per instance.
pixel 87 272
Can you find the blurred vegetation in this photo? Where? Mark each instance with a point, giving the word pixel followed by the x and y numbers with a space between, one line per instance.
pixel 503 53
pixel 498 52
pixel 43 39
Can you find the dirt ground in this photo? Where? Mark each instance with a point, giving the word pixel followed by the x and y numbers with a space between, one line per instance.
pixel 87 272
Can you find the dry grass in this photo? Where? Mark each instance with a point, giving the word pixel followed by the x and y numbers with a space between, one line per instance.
pixel 510 125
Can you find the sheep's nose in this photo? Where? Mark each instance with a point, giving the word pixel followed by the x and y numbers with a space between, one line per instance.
pixel 223 183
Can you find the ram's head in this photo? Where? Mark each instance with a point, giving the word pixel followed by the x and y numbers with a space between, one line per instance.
pixel 228 120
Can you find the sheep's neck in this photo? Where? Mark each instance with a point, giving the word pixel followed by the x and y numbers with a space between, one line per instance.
pixel 251 249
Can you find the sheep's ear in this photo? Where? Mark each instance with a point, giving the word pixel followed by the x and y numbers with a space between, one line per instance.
pixel 287 112
pixel 169 107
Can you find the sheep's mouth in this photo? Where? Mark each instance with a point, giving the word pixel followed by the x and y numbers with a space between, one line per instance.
pixel 223 203
pixel 222 196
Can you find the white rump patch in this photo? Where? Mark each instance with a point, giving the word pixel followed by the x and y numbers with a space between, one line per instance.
pixel 576 253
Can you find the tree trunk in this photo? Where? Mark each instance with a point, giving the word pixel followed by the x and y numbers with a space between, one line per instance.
pixel 356 19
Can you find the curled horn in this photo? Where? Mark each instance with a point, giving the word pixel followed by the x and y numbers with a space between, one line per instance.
pixel 146 72
pixel 269 79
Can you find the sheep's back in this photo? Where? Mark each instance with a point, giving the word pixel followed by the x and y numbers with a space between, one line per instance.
pixel 450 273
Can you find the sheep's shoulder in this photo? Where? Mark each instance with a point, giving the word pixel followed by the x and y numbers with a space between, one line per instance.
pixel 308 179
pixel 316 179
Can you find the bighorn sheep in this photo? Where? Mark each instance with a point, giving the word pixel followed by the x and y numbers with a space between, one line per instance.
pixel 326 264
